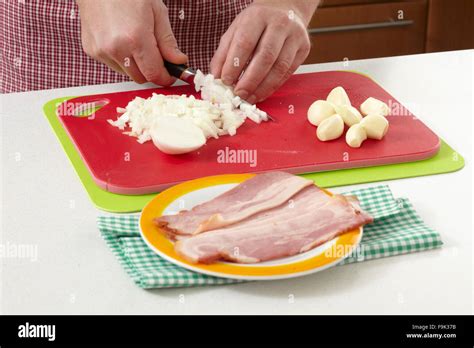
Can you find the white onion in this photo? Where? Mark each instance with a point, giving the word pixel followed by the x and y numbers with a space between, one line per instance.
pixel 174 135
pixel 220 112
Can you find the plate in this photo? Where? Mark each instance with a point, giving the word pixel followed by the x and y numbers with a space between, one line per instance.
pixel 190 193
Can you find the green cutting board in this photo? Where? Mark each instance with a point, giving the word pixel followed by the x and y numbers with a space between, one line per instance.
pixel 447 160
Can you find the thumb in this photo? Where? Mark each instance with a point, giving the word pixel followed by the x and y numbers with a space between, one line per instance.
pixel 166 41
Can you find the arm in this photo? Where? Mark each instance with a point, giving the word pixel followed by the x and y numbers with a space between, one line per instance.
pixel 131 37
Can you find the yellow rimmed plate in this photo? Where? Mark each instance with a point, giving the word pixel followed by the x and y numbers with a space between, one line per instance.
pixel 188 194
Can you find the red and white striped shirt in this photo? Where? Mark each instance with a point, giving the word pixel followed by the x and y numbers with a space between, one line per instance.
pixel 41 41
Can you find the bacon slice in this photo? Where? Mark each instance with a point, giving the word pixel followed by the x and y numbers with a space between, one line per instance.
pixel 310 219
pixel 259 193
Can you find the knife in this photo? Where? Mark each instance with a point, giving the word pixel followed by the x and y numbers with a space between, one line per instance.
pixel 187 74
pixel 181 71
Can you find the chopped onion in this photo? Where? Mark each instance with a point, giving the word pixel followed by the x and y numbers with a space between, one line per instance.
pixel 220 112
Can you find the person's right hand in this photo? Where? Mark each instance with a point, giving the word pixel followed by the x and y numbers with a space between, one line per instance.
pixel 131 37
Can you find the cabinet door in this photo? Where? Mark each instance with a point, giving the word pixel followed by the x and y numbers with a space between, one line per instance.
pixel 368 31
pixel 450 25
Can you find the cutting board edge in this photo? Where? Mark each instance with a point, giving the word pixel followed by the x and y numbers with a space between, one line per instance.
pixel 327 167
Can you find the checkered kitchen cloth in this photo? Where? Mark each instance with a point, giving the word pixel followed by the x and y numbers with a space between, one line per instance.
pixel 397 229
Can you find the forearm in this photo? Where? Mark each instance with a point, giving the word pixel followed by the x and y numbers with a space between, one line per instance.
pixel 302 8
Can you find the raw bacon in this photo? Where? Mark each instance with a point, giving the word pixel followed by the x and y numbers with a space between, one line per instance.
pixel 311 218
pixel 257 194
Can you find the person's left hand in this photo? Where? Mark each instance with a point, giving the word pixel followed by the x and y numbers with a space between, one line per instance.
pixel 267 42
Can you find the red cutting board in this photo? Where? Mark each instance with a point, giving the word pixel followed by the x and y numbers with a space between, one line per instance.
pixel 119 164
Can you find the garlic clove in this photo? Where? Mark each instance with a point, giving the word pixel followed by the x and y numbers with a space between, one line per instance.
pixel 338 96
pixel 374 106
pixel 319 111
pixel 350 115
pixel 330 128
pixel 356 135
pixel 376 126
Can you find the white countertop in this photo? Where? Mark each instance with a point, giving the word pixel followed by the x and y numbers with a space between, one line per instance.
pixel 44 205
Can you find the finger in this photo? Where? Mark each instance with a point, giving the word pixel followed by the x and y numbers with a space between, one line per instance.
pixel 115 67
pixel 111 64
pixel 92 51
pixel 150 63
pixel 265 55
pixel 280 70
pixel 129 66
pixel 167 43
pixel 117 52
pixel 244 41
pixel 299 59
pixel 220 54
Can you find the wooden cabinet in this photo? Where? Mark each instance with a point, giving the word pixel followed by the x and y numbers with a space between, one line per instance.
pixel 358 29
pixel 450 25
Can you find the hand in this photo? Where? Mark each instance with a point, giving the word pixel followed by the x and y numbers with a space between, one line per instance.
pixel 131 37
pixel 267 42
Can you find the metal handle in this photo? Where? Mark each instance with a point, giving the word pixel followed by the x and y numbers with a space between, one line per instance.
pixel 361 26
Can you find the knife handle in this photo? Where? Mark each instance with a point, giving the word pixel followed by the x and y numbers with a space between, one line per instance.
pixel 175 70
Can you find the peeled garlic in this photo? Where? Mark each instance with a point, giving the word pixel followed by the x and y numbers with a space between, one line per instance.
pixel 338 96
pixel 350 115
pixel 319 111
pixel 374 106
pixel 330 128
pixel 356 135
pixel 376 126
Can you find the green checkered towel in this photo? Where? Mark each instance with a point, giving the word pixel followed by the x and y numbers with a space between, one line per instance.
pixel 397 229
